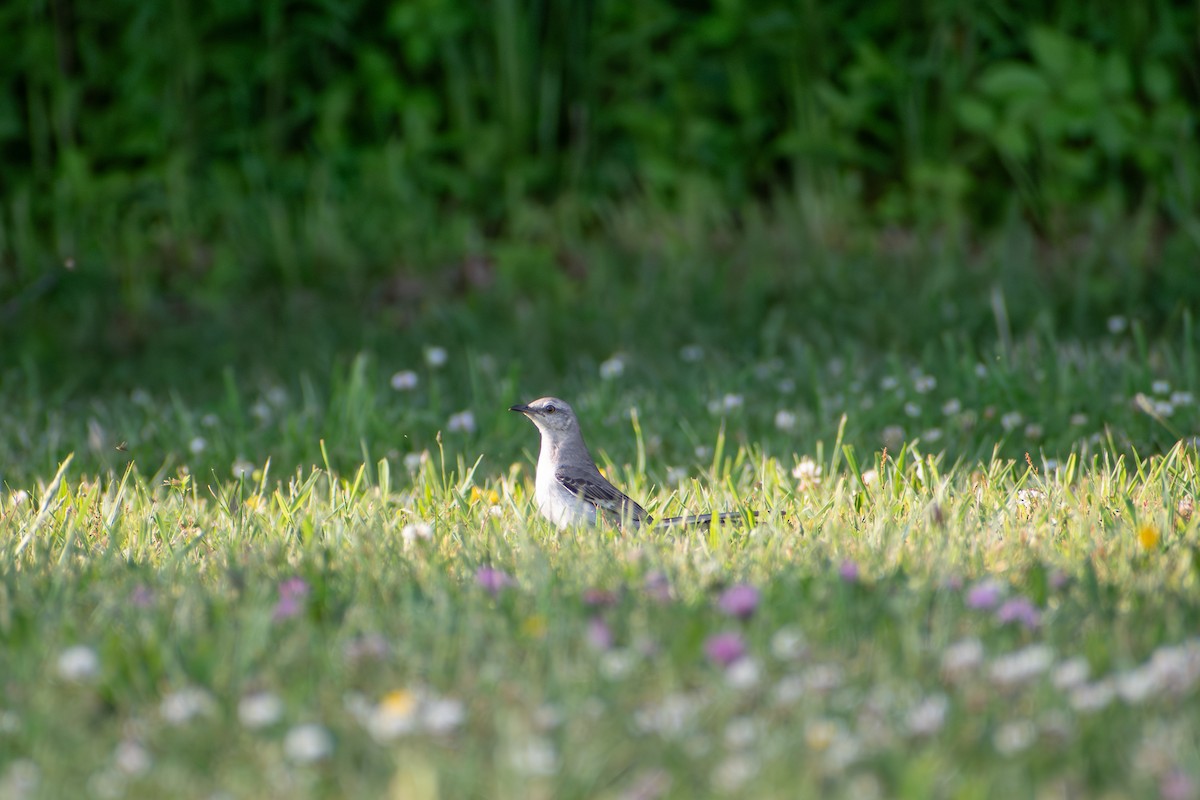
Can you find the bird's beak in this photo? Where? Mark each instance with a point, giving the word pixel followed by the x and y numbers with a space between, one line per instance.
pixel 523 409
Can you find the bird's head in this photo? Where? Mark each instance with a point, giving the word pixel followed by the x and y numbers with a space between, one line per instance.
pixel 551 415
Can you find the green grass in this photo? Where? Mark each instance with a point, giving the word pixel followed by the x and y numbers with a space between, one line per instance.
pixel 303 592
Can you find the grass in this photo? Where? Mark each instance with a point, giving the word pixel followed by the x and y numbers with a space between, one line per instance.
pixel 1001 603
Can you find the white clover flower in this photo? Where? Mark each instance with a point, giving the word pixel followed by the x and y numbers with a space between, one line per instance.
pixel 413 461
pixel 741 733
pixel 932 435
pixel 242 468
pixel 1033 431
pixel 305 744
pixel 788 644
pixel 617 663
pixel 870 477
pixel 1014 737
pixel 789 690
pixel 1091 697
pixel 786 386
pixel 691 353
pixel 436 357
pixel 18 497
pixel 462 422
pixel 733 773
pixel 443 715
pixel 182 706
pixel 1011 421
pixel 1071 674
pixel 79 664
pixel 140 397
pixel 534 756
pixel 198 445
pixel 912 409
pixel 1021 666
pixel 928 716
pixel 893 436
pixel 405 380
pixel 1117 324
pixel 743 674
pixel 962 658
pixel 671 716
pixel 785 420
pixel 416 530
pixel 1160 387
pixel 261 411
pixel 981 370
pixel 952 407
pixel 822 678
pixel 210 420
pixel 260 710
pixel 924 384
pixel 676 475
pixel 726 404
pixel 807 471
pixel 1182 398
pixel 131 758
pixel 612 368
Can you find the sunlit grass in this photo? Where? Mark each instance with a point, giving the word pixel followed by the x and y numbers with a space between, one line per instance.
pixel 418 630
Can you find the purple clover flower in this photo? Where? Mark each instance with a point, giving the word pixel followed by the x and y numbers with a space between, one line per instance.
pixel 1019 610
pixel 985 595
pixel 142 596
pixel 848 571
pixel 598 598
pixel 599 634
pixel 493 580
pixel 291 599
pixel 658 586
pixel 739 601
pixel 724 649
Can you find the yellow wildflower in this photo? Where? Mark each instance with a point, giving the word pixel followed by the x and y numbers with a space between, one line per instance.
pixel 1147 536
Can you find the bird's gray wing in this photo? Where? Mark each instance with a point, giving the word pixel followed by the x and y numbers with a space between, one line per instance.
pixel 594 489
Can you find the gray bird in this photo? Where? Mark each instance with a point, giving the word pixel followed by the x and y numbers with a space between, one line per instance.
pixel 570 490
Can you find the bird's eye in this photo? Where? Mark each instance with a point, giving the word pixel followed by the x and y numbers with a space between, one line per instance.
pixel 550 409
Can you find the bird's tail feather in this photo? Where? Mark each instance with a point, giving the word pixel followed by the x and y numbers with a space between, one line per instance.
pixel 705 520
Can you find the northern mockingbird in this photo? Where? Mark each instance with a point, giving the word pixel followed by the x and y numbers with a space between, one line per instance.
pixel 570 490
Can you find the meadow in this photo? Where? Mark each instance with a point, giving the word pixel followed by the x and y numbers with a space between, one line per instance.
pixel 973 574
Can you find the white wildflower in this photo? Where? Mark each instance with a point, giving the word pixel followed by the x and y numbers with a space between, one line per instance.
pixel 436 357
pixel 242 468
pixel 788 644
pixel 259 710
pixel 442 715
pixel 184 705
pixel 405 380
pixel 198 445
pixel 534 756
pixel 462 422
pixel 1078 419
pixel 952 407
pixel 807 471
pixel 616 663
pixel 889 383
pixel 734 772
pixel 1117 324
pixel 1092 697
pixel 691 353
pixel 1021 666
pixel 1071 674
pixel 924 384
pixel 785 420
pixel 1182 398
pixel 1160 387
pixel 305 744
pixel 743 674
pixel 927 717
pixel 870 477
pixel 1014 737
pixel 1011 421
pixel 132 758
pixel 962 658
pixel 413 461
pixel 79 664
pixel 912 409
pixel 614 367
pixel 261 411
pixel 416 530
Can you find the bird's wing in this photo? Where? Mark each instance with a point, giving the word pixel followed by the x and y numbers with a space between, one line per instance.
pixel 600 493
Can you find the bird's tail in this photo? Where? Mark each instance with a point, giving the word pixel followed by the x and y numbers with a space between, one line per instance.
pixel 705 520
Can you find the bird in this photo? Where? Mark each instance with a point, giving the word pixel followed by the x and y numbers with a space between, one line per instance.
pixel 569 489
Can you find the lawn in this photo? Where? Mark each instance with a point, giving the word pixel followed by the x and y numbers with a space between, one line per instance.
pixel 974 573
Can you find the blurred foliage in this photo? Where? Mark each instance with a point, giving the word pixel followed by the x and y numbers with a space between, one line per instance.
pixel 176 156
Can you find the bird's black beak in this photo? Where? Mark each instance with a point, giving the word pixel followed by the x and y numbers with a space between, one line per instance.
pixel 523 409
